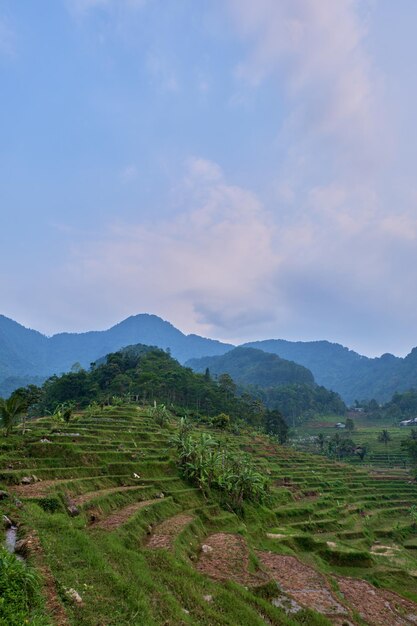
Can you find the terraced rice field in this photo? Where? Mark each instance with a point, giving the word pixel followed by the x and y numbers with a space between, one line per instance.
pixel 106 515
pixel 366 432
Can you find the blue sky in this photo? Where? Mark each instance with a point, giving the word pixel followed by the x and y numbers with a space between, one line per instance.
pixel 243 169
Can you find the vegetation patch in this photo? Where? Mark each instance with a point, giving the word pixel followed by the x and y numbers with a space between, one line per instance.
pixel 20 593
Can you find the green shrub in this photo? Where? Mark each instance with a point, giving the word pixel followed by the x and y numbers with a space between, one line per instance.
pixel 222 420
pixel 50 505
pixel 205 464
pixel 19 592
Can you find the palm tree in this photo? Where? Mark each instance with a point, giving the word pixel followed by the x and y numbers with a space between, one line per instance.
pixel 321 441
pixel 384 437
pixel 11 411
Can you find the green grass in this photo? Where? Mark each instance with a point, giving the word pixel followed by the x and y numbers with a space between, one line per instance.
pixel 330 515
pixel 20 593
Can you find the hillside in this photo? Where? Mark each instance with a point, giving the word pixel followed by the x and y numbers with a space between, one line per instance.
pixel 278 383
pixel 249 366
pixel 353 376
pixel 120 538
pixel 27 355
pixel 151 375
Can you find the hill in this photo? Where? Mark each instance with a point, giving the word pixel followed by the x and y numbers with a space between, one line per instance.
pixel 278 383
pixel 145 372
pixel 120 536
pixel 353 376
pixel 249 366
pixel 26 356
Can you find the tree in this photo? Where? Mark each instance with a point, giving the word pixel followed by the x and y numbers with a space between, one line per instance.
pixel 346 448
pixel 30 394
pixel 321 440
pixel 221 421
pixel 410 445
pixel 350 424
pixel 11 411
pixel 384 437
pixel 67 414
pixel 362 451
pixel 227 384
pixel 275 424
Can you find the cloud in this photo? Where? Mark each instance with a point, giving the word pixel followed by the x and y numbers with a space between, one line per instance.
pixel 345 231
pixel 318 47
pixel 206 269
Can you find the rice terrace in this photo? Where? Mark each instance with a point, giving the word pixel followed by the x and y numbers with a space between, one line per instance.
pixel 128 512
pixel 208 313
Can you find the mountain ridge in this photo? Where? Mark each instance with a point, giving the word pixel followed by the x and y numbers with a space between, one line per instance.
pixel 27 355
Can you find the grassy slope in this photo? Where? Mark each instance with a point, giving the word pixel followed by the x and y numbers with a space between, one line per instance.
pixel 122 582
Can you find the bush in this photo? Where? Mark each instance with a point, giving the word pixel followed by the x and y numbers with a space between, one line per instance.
pixel 50 505
pixel 19 592
pixel 222 420
pixel 205 464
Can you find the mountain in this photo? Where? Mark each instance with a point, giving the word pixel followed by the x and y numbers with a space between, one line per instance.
pixel 278 383
pixel 154 376
pixel 248 366
pixel 27 356
pixel 348 373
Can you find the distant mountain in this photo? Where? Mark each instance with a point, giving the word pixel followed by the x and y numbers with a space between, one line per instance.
pixel 248 366
pixel 277 382
pixel 28 356
pixel 348 373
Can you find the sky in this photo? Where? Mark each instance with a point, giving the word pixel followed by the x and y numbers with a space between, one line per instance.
pixel 245 170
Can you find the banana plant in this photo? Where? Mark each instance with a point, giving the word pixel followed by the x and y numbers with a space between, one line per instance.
pixel 11 411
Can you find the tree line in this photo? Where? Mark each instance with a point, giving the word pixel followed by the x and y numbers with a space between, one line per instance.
pixel 151 376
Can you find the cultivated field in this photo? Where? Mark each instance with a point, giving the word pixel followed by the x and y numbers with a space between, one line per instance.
pixel 120 539
pixel 365 432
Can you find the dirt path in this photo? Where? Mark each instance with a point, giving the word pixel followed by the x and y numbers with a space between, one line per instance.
pixel 115 520
pixel 304 584
pixel 34 490
pixel 225 556
pixel 90 495
pixel 309 588
pixel 41 489
pixel 165 533
pixel 52 601
pixel 378 607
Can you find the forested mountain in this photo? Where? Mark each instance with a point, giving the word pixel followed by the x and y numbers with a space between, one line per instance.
pixel 348 373
pixel 152 375
pixel 278 383
pixel 27 356
pixel 248 366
